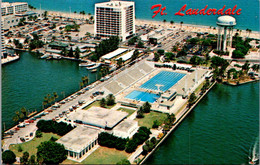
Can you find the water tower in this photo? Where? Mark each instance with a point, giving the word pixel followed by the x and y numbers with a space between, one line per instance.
pixel 226 24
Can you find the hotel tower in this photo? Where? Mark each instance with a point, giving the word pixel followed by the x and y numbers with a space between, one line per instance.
pixel 115 18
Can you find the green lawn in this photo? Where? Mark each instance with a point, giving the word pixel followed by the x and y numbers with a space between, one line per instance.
pixel 149 118
pixel 31 146
pixel 197 90
pixel 129 111
pixel 104 155
pixel 96 104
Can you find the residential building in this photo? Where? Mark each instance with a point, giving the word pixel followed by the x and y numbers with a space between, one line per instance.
pixel 13 8
pixel 115 18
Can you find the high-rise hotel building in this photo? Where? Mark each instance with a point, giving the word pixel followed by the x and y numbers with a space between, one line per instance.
pixel 13 8
pixel 115 18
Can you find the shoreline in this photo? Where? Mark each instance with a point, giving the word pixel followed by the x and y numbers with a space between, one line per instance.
pixel 189 27
pixel 193 28
pixel 178 121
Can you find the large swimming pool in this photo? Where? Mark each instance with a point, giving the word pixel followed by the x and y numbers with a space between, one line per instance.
pixel 142 96
pixel 165 78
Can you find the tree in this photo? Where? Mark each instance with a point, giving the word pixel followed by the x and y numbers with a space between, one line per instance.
pixel 140 113
pixel 38 134
pixel 181 23
pixel 8 157
pixel 171 22
pixel 51 152
pixel 192 98
pixel 164 21
pixel 145 149
pixel 20 149
pixel 24 158
pixel 119 62
pixel 196 60
pixel 131 146
pixel 135 55
pixel 45 14
pixel 110 99
pixel 160 51
pixel 77 53
pixel 32 160
pixel 156 124
pixel 70 54
pixel 146 107
pixel 140 44
pixel 123 162
pixel 156 57
pixel 103 102
pixel 181 53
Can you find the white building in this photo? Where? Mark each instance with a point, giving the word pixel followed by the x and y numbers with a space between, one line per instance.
pixel 79 142
pixel 115 18
pixel 126 128
pixel 13 8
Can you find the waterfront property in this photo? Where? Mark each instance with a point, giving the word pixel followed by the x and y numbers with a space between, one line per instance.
pixel 115 18
pixel 165 89
pixel 79 142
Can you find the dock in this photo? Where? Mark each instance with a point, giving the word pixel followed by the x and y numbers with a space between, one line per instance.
pixel 9 59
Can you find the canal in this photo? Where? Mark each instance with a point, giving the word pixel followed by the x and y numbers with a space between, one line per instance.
pixel 220 130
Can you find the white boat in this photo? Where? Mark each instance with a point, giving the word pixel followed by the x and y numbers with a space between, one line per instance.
pixel 93 67
pixel 86 64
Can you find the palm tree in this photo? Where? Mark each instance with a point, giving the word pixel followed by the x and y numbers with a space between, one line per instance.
pixel 55 95
pixel 181 24
pixel 249 31
pixel 15 118
pixel 171 22
pixel 24 111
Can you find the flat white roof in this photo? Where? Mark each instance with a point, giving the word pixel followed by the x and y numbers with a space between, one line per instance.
pixel 127 55
pixel 99 117
pixel 125 125
pixel 114 4
pixel 79 138
pixel 114 53
pixel 7 4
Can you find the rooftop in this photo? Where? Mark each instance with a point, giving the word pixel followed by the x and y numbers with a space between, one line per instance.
pixel 126 56
pixel 99 117
pixel 79 138
pixel 7 4
pixel 114 53
pixel 114 4
pixel 125 125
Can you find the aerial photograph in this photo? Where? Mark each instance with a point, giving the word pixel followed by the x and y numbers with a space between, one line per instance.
pixel 130 82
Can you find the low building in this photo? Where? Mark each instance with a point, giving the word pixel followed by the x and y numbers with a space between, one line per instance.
pixel 126 129
pixel 98 117
pixel 79 142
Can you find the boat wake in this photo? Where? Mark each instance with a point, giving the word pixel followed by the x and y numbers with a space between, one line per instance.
pixel 254 152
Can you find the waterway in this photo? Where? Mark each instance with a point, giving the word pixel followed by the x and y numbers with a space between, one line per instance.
pixel 26 82
pixel 220 130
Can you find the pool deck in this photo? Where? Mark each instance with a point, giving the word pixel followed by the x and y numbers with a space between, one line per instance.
pixel 178 102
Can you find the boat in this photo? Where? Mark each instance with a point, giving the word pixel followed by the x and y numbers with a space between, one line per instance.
pixel 94 67
pixel 254 153
pixel 94 70
pixel 56 57
pixel 86 64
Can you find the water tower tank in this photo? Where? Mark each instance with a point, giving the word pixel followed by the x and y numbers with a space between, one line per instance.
pixel 226 20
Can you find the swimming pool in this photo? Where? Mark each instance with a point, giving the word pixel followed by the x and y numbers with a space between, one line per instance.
pixel 142 96
pixel 165 78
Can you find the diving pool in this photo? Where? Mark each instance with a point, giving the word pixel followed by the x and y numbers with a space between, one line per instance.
pixel 142 96
pixel 165 78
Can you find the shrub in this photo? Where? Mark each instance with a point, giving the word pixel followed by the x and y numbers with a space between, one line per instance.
pixel 8 157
